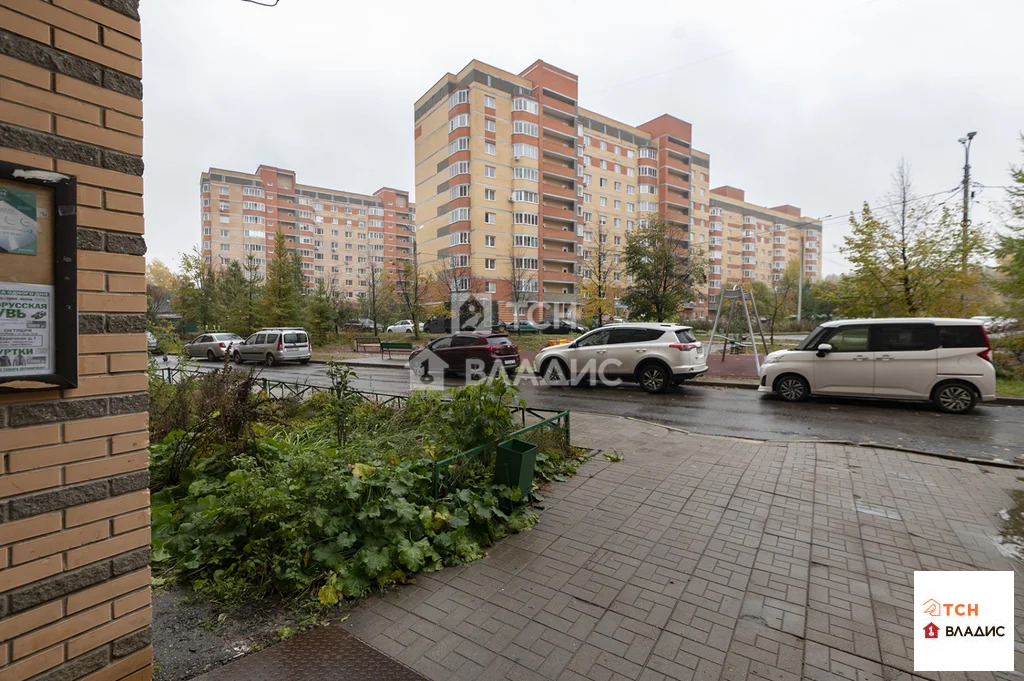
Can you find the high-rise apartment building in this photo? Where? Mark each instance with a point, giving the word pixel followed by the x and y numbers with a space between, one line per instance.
pixel 339 235
pixel 749 243
pixel 518 187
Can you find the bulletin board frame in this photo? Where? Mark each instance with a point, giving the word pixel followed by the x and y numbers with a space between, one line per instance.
pixel 63 262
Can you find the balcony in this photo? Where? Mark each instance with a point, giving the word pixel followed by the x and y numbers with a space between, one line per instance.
pixel 553 233
pixel 558 170
pixel 559 297
pixel 558 127
pixel 558 255
pixel 557 276
pixel 552 211
pixel 555 190
pixel 558 149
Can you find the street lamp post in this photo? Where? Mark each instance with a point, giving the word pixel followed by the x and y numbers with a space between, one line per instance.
pixel 965 221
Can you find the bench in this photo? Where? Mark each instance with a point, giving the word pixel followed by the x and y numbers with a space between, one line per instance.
pixel 391 346
pixel 367 342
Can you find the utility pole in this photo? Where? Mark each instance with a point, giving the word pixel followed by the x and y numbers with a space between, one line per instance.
pixel 800 288
pixel 965 221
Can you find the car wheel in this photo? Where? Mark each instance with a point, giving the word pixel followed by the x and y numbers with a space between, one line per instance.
pixel 270 360
pixel 408 330
pixel 955 398
pixel 792 388
pixel 555 372
pixel 238 358
pixel 653 378
pixel 210 356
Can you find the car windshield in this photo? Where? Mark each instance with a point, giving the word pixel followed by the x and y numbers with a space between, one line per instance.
pixel 498 340
pixel 811 341
pixel 295 338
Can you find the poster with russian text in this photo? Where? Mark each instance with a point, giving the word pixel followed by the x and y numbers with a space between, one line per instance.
pixel 26 329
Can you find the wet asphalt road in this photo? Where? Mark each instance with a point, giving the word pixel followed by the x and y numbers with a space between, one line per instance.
pixel 990 432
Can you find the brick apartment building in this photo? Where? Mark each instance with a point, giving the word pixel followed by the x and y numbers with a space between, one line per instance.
pixel 338 234
pixel 517 185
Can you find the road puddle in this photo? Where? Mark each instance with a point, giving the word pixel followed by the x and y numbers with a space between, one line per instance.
pixel 1010 541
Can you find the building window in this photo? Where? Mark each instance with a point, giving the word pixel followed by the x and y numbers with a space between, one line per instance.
pixel 525 128
pixel 491 287
pixel 521 173
pixel 457 192
pixel 490 241
pixel 460 144
pixel 206 203
pixel 224 190
pixel 490 263
pixel 225 247
pixel 489 101
pixel 456 238
pixel 519 218
pixel 527 150
pixel 460 121
pixel 603 145
pixel 618 204
pixel 459 260
pixel 526 263
pixel 490 148
pixel 629 172
pixel 525 241
pixel 458 168
pixel 524 196
pixel 489 125
pixel 458 215
pixel 604 164
pixel 489 171
pixel 225 219
pixel 524 104
pixel 490 218
pixel 459 97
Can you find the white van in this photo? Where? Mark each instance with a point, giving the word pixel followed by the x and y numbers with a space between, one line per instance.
pixel 946 361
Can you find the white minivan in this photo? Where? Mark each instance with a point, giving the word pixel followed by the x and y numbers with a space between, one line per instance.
pixel 946 361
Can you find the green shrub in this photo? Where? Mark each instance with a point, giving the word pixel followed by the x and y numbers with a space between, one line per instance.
pixel 295 510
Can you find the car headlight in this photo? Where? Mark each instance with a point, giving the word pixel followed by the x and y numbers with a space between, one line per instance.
pixel 771 359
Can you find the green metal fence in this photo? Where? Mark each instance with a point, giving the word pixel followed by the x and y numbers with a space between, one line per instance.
pixel 547 418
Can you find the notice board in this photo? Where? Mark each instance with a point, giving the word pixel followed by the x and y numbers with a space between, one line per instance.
pixel 38 279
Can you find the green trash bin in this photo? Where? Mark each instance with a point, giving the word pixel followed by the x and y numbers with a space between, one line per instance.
pixel 514 464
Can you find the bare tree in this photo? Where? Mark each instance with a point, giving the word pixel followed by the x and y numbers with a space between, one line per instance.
pixel 380 294
pixel 599 277
pixel 412 287
pixel 522 282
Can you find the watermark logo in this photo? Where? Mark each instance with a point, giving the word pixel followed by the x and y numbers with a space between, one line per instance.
pixel 471 311
pixel 972 612
pixel 427 369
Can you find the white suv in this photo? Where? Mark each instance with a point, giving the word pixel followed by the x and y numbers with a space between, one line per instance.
pixel 653 355
pixel 947 361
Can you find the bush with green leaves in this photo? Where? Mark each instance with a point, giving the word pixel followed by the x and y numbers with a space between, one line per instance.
pixel 299 511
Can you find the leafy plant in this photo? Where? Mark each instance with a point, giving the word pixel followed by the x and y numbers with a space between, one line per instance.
pixel 299 510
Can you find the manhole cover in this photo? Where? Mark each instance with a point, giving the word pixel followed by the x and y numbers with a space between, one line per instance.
pixel 328 653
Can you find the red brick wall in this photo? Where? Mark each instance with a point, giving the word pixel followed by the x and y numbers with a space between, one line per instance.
pixel 74 503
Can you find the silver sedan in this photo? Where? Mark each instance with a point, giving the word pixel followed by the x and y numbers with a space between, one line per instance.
pixel 212 346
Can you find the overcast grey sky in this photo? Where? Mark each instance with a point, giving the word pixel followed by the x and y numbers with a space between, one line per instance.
pixel 805 102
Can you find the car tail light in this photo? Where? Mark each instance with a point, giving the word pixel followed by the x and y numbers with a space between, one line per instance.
pixel 683 346
pixel 986 354
pixel 222 344
pixel 280 345
pixel 492 348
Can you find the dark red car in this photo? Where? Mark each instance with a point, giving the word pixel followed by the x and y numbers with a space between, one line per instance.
pixel 461 352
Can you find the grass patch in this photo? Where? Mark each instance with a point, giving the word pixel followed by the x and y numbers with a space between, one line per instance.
pixel 1009 387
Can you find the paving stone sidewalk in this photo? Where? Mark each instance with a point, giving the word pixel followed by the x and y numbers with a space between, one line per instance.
pixel 707 558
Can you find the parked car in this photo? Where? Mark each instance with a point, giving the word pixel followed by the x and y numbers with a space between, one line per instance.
pixel 403 326
pixel 655 355
pixel 946 361
pixel 151 341
pixel 521 327
pixel 440 324
pixel 363 325
pixel 561 326
pixel 273 346
pixel 212 346
pixel 458 350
